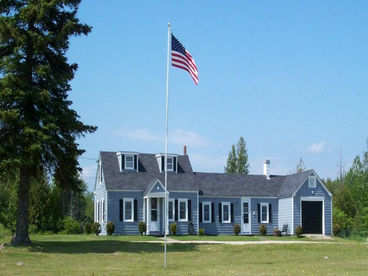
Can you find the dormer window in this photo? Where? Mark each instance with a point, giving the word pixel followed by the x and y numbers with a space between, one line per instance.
pixel 312 181
pixel 129 162
pixel 170 164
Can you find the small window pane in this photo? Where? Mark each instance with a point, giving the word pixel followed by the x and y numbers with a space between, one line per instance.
pixel 128 210
pixel 264 213
pixel 169 163
pixel 129 162
pixel 153 203
pixel 245 212
pixel 182 210
pixel 206 212
pixel 153 215
pixel 226 212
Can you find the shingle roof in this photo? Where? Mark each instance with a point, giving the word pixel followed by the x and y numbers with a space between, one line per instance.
pixel 208 184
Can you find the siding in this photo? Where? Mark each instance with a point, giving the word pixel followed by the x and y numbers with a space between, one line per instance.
pixel 217 228
pixel 319 191
pixel 100 196
pixel 254 215
pixel 285 213
pixel 113 207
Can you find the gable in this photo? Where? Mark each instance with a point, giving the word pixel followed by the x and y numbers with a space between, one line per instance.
pixel 319 190
pixel 157 188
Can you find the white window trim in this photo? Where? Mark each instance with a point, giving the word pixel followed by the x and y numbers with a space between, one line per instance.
pixel 186 209
pixel 173 209
pixel 207 203
pixel 131 200
pixel 172 164
pixel 222 213
pixel 312 181
pixel 125 162
pixel 268 212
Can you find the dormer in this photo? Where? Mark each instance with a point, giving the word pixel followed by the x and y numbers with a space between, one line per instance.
pixel 172 162
pixel 128 161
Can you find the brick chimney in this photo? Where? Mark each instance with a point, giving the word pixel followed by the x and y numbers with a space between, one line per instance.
pixel 185 150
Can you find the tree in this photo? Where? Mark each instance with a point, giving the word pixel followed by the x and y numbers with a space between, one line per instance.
pixel 231 164
pixel 300 166
pixel 237 161
pixel 38 128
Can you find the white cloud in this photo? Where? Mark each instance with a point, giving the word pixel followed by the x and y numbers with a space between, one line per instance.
pixel 177 136
pixel 89 173
pixel 207 163
pixel 317 147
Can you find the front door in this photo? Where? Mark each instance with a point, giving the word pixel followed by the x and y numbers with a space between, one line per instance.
pixel 245 209
pixel 155 215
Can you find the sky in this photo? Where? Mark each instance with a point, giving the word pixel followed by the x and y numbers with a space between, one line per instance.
pixel 290 77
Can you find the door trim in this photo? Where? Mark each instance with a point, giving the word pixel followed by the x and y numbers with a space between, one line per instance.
pixel 313 198
pixel 246 199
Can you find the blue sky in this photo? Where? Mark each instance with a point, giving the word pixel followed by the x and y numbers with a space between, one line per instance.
pixel 290 77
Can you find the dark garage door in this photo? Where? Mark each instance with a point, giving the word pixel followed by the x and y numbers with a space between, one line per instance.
pixel 312 217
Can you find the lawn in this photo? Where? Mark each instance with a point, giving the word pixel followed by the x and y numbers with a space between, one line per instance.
pixel 238 238
pixel 88 255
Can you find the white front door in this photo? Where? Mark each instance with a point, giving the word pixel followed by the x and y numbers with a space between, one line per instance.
pixel 155 215
pixel 245 211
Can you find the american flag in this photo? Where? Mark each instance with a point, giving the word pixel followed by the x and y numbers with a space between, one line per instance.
pixel 181 58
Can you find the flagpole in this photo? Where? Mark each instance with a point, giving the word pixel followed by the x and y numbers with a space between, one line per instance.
pixel 166 140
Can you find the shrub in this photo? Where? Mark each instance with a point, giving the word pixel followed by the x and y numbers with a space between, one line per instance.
pixel 343 220
pixel 201 232
pixel 276 232
pixel 336 229
pixel 96 228
pixel 298 231
pixel 3 231
pixel 71 226
pixel 173 228
pixel 263 230
pixel 142 227
pixel 236 229
pixel 33 229
pixel 110 228
pixel 88 228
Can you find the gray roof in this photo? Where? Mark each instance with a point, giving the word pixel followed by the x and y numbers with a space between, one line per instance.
pixel 208 184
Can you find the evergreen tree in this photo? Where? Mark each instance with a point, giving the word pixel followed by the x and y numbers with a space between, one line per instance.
pixel 231 165
pixel 38 128
pixel 242 157
pixel 237 160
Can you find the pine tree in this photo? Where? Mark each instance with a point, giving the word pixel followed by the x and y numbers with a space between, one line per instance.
pixel 231 165
pixel 38 128
pixel 242 157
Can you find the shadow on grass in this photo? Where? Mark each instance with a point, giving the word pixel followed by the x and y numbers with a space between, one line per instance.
pixel 105 246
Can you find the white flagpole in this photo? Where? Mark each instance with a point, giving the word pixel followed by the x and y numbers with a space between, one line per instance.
pixel 167 137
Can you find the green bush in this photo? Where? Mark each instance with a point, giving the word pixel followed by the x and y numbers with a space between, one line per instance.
pixel 236 229
pixel 71 226
pixel 173 228
pixel 344 222
pixel 96 228
pixel 88 228
pixel 142 227
pixel 4 232
pixel 110 228
pixel 336 229
pixel 201 232
pixel 33 229
pixel 298 231
pixel 263 230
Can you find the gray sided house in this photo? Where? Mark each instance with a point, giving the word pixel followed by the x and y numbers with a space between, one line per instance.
pixel 130 188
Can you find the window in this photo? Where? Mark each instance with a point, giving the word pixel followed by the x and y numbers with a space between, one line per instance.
pixel 129 162
pixel 312 181
pixel 170 164
pixel 128 209
pixel 226 216
pixel 264 213
pixel 206 211
pixel 171 210
pixel 183 210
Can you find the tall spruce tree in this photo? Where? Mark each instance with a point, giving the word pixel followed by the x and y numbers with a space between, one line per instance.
pixel 237 160
pixel 38 128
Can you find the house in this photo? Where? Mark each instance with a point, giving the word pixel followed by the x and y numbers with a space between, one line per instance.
pixel 130 188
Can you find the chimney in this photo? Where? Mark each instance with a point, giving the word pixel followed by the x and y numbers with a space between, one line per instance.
pixel 185 150
pixel 267 169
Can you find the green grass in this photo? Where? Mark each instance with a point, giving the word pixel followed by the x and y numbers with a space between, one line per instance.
pixel 88 255
pixel 238 238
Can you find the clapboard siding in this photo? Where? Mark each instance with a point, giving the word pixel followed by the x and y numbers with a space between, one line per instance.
pixel 217 227
pixel 285 213
pixel 319 191
pixel 100 198
pixel 254 215
pixel 121 227
pixel 182 226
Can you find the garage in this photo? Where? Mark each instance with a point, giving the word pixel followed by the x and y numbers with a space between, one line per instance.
pixel 312 216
